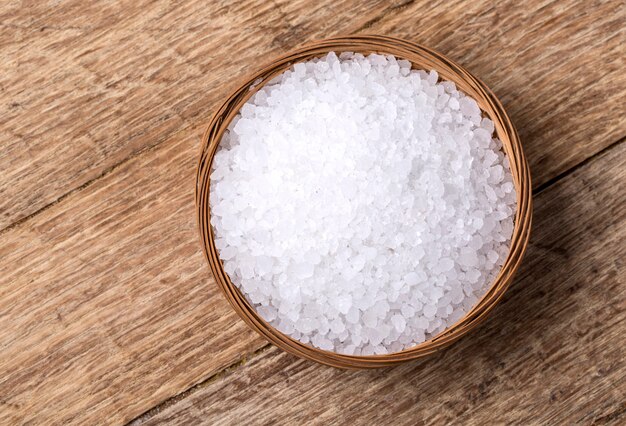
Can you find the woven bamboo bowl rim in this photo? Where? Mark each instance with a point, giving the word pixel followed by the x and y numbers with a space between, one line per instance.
pixel 421 58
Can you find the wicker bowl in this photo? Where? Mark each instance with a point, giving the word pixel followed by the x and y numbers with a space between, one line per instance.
pixel 422 58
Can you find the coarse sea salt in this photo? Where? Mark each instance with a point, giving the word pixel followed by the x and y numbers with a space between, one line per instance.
pixel 361 207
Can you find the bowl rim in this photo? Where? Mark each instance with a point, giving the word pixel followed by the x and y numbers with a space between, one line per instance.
pixel 421 58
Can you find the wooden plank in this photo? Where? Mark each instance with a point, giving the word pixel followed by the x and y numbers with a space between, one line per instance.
pixel 553 64
pixel 83 87
pixel 106 305
pixel 552 352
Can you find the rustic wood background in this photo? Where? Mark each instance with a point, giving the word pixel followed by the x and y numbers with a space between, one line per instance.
pixel 108 312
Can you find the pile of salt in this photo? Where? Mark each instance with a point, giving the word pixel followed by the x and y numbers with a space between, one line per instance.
pixel 361 206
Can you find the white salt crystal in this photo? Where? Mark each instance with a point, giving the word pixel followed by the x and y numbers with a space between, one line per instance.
pixel 453 103
pixel 399 322
pixel 370 318
pixel 468 257
pixel 411 278
pixel 492 256
pixel 302 270
pixel 228 252
pixel 361 206
pixel 342 303
pixel 306 325
pixel 407 311
pixel 496 174
pixel 472 275
pixel 469 106
pixel 353 315
pixel 264 264
pixel 429 311
pixel 337 326
pixel 445 264
pixel 507 187
pixel 300 69
pixel 267 312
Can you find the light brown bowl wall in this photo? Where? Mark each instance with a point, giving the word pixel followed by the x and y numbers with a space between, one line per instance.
pixel 422 58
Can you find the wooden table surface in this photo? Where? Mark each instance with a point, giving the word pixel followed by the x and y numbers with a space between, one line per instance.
pixel 108 311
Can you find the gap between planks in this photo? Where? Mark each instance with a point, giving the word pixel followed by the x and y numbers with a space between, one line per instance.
pixel 380 16
pixel 92 181
pixel 124 160
pixel 193 389
pixel 187 126
pixel 245 359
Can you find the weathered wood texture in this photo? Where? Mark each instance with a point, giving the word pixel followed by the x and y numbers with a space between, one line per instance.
pixel 105 302
pixel 85 86
pixel 552 353
pixel 106 305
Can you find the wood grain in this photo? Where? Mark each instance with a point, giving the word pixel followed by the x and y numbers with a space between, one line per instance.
pixel 82 88
pixel 106 305
pixel 554 65
pixel 552 353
